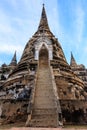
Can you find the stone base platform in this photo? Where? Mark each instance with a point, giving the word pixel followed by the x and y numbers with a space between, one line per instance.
pixel 29 128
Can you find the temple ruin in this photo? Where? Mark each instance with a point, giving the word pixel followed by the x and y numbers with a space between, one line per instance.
pixel 42 89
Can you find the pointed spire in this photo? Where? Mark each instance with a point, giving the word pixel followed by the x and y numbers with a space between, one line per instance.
pixel 14 60
pixel 43 25
pixel 72 62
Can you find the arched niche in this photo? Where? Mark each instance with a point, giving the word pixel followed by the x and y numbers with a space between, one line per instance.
pixel 40 42
pixel 43 56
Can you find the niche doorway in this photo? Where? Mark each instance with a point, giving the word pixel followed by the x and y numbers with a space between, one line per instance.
pixel 43 56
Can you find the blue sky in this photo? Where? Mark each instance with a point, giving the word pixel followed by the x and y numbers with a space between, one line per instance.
pixel 67 19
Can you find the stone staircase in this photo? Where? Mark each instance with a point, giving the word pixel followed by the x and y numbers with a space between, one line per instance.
pixel 44 113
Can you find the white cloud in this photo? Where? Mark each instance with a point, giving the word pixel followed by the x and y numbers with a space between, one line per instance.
pixel 4 22
pixel 15 29
pixel 9 48
pixel 71 37
pixel 79 23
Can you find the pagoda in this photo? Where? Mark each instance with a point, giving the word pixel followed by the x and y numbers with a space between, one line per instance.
pixel 43 90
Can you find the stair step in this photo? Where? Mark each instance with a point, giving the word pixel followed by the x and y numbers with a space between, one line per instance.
pixel 43 123
pixel 44 116
pixel 44 113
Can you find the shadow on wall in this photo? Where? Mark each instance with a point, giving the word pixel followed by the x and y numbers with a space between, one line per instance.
pixel 74 116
